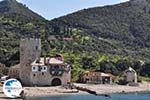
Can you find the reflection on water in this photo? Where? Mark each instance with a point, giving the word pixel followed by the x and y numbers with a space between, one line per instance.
pixel 135 96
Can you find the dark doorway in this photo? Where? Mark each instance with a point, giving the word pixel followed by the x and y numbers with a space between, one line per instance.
pixel 56 82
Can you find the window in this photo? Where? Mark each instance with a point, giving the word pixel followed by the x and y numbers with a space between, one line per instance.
pixel 53 72
pixel 44 68
pixel 42 73
pixel 36 47
pixel 34 75
pixel 59 72
pixel 34 68
pixel 39 68
pixel 22 50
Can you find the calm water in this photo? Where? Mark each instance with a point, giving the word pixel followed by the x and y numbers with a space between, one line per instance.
pixel 135 96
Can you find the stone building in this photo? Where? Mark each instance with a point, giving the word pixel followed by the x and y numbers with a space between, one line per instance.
pixel 34 70
pixel 130 75
pixel 14 71
pixel 50 71
pixel 97 78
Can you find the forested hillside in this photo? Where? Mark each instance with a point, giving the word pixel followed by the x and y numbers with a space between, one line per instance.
pixel 108 39
pixel 125 27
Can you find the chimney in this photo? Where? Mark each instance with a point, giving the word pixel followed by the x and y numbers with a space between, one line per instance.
pixel 45 60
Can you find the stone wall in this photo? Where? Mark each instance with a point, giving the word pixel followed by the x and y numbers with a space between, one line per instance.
pixel 14 73
pixel 40 78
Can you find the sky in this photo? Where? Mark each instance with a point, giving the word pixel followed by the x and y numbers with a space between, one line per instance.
pixel 50 9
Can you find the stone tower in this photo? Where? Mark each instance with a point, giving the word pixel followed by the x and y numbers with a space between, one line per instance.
pixel 30 50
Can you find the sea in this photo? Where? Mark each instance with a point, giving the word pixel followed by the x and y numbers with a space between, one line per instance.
pixel 129 96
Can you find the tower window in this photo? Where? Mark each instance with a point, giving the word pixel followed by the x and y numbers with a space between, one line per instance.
pixel 33 68
pixel 36 47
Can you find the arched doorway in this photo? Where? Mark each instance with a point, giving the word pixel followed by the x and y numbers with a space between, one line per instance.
pixel 56 82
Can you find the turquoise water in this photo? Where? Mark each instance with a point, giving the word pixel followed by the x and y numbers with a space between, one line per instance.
pixel 135 96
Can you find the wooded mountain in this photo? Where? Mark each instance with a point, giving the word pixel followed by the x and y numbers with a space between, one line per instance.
pixel 12 6
pixel 16 21
pixel 86 37
pixel 125 27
